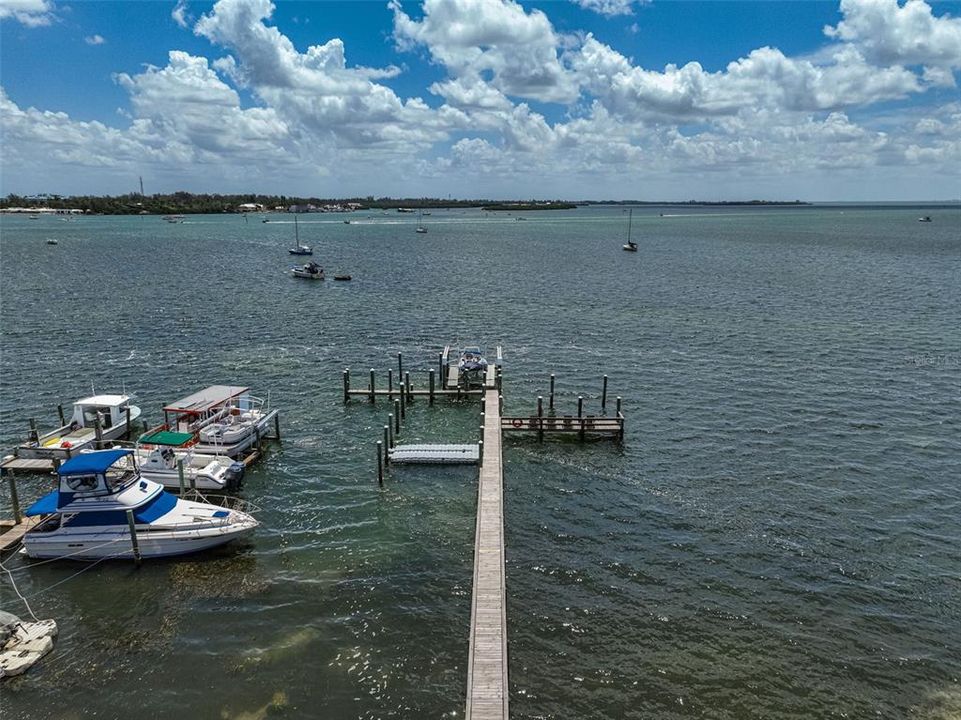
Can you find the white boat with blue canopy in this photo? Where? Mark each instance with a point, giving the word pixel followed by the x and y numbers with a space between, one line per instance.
pixel 101 497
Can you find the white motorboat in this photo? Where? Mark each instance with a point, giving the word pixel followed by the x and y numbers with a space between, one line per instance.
pixel 925 218
pixel 52 241
pixel 23 643
pixel 310 271
pixel 174 218
pixel 101 499
pixel 158 454
pixel 472 366
pixel 298 249
pixel 224 419
pixel 113 413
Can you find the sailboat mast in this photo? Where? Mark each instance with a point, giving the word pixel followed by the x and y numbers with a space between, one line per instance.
pixel 630 215
pixel 296 232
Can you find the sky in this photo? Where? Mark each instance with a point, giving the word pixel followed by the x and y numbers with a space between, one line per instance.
pixel 654 100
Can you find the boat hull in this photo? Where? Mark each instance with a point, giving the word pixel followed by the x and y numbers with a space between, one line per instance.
pixel 113 541
pixel 82 439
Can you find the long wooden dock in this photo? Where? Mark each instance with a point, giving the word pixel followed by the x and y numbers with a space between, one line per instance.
pixel 487 687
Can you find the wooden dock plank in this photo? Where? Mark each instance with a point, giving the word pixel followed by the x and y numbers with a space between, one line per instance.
pixel 11 538
pixel 487 689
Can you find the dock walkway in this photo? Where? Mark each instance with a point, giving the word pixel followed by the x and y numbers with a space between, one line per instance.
pixel 487 662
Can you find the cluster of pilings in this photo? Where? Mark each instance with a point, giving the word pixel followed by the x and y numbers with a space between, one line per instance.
pixel 405 389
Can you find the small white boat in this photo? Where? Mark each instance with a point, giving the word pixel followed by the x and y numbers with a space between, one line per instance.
pixel 224 419
pixel 23 643
pixel 101 495
pixel 629 246
pixel 299 249
pixel 926 218
pixel 471 367
pixel 174 218
pixel 109 411
pixel 52 241
pixel 421 228
pixel 310 271
pixel 158 454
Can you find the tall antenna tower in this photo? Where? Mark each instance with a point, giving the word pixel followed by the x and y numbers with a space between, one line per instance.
pixel 141 186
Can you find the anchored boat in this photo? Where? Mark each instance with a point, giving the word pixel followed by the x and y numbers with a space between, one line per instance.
pixel 113 413
pixel 224 419
pixel 629 246
pixel 310 271
pixel 102 503
pixel 298 249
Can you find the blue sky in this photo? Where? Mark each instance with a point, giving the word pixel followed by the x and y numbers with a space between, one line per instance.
pixel 593 99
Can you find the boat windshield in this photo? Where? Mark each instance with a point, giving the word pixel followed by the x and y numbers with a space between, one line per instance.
pixel 120 473
pixel 90 414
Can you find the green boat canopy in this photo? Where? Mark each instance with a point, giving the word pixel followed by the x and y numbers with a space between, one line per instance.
pixel 166 437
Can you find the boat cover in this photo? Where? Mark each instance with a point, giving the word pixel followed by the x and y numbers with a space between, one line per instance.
pixel 166 437
pixel 163 503
pixel 94 462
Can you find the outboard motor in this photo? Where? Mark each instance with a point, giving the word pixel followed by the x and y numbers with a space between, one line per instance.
pixel 235 475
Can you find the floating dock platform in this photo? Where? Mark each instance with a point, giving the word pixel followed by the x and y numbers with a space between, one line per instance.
pixel 435 454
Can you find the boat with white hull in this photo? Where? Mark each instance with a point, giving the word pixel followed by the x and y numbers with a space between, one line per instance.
pixel 158 454
pixel 114 414
pixel 101 494
pixel 224 419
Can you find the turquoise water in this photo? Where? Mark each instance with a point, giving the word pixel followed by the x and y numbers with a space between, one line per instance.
pixel 778 536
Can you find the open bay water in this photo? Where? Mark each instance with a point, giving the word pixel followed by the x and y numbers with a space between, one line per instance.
pixel 777 538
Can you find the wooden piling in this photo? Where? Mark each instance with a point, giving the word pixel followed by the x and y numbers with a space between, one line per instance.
pixel 63 420
pixel 500 404
pixel 277 427
pixel 34 433
pixel 618 406
pixel 380 465
pixel 407 385
pixel 550 400
pixel 480 452
pixel 482 425
pixel 386 445
pixel 126 412
pixel 372 396
pixel 346 385
pixel 397 417
pixel 134 543
pixel 14 499
pixel 540 419
pixel 390 384
pixel 403 402
pixel 180 475
pixel 604 396
pixel 580 406
pixel 390 429
pixel 400 366
pixel 98 432
pixel 431 387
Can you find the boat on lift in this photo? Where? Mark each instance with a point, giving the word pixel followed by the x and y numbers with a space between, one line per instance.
pixel 102 503
pixel 111 412
pixel 471 366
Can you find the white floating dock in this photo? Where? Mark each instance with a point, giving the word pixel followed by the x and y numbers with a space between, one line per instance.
pixel 436 454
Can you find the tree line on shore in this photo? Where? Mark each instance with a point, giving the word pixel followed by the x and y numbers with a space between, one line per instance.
pixel 184 203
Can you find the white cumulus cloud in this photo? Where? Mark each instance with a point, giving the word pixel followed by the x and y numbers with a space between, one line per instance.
pixel 32 13
pixel 94 40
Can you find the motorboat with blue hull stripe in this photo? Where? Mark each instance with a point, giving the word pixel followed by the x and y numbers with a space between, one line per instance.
pixel 101 494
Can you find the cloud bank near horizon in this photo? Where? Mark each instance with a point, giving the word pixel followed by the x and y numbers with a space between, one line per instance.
pixel 767 124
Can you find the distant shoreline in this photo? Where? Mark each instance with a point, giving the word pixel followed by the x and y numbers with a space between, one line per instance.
pixel 182 203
